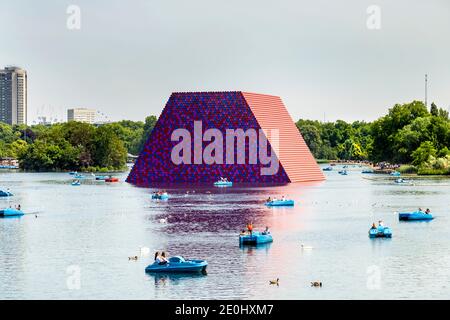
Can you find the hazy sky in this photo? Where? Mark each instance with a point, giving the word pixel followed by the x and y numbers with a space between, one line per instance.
pixel 319 56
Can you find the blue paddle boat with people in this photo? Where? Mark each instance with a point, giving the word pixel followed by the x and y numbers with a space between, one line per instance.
pixel 72 173
pixel 79 176
pixel 101 178
pixel 343 172
pixel 223 182
pixel 11 212
pixel 367 171
pixel 5 193
pixel 160 195
pixel 416 216
pixel 255 238
pixel 328 169
pixel 283 202
pixel 380 231
pixel 177 264
pixel 395 174
pixel 76 183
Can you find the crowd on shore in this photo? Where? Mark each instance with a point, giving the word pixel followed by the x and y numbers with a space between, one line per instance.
pixel 375 165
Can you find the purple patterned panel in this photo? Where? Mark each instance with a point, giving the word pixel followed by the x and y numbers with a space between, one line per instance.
pixel 219 110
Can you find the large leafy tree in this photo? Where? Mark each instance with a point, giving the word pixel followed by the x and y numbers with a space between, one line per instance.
pixel 385 128
pixel 109 149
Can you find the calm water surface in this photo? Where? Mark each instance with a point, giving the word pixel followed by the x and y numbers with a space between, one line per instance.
pixel 96 226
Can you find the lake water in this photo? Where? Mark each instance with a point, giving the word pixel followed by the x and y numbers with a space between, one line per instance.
pixel 78 245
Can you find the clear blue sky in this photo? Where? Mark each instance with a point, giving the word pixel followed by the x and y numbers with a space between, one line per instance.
pixel 319 56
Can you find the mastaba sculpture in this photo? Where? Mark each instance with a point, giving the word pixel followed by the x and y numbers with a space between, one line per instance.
pixel 245 137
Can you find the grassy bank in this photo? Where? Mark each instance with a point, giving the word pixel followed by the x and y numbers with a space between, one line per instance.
pixel 422 171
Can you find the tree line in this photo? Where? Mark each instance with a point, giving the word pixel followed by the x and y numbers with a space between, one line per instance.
pixel 74 145
pixel 408 134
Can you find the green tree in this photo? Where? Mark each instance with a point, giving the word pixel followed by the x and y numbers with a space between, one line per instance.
pixel 130 133
pixel 423 153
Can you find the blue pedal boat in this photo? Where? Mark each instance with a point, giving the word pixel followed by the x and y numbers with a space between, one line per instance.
pixel 328 169
pixel 255 238
pixel 163 196
pixel 101 177
pixel 395 174
pixel 76 183
pixel 5 194
pixel 343 172
pixel 380 232
pixel 10 212
pixel 177 264
pixel 280 203
pixel 223 183
pixel 414 216
pixel 367 171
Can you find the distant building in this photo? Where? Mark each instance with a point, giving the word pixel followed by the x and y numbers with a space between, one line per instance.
pixel 81 115
pixel 44 121
pixel 13 95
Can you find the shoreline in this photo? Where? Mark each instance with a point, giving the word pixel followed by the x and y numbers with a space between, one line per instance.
pixel 389 170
